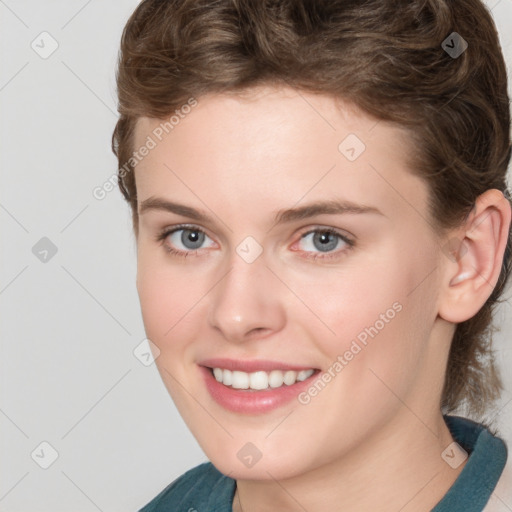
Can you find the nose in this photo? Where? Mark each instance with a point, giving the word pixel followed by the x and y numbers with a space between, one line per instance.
pixel 247 302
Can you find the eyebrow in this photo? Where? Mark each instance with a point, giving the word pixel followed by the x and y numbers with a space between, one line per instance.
pixel 330 207
pixel 158 203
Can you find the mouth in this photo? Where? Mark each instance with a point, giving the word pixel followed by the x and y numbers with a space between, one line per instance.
pixel 260 380
pixel 255 392
pixel 255 386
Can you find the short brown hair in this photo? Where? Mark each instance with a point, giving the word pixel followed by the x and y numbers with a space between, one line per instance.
pixel 388 58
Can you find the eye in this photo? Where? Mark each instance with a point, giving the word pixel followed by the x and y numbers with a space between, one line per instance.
pixel 183 240
pixel 324 240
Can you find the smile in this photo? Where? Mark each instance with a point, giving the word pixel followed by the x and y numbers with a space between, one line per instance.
pixel 255 392
pixel 260 380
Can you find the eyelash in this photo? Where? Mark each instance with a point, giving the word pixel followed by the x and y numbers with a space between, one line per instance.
pixel 328 255
pixel 162 235
pixel 166 232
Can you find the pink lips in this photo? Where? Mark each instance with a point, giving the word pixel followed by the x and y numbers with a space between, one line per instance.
pixel 250 366
pixel 249 401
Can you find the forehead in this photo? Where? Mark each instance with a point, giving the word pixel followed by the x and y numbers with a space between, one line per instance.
pixel 266 109
pixel 260 110
pixel 276 143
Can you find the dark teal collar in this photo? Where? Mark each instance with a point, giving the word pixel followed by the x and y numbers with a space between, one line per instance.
pixel 476 482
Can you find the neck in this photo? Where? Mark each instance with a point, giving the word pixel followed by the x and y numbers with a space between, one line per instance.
pixel 400 468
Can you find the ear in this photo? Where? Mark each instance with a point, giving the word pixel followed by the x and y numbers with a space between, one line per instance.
pixel 474 257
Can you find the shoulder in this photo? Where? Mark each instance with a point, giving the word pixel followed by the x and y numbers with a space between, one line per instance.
pixel 201 487
pixel 476 487
pixel 502 494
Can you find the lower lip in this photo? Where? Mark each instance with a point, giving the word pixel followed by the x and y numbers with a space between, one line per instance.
pixel 250 401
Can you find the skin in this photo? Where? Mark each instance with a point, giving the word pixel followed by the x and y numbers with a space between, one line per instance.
pixel 372 438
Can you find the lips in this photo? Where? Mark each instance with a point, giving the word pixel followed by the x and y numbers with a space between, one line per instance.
pixel 251 366
pixel 251 401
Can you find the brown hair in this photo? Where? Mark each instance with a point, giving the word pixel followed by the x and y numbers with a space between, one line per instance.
pixel 386 57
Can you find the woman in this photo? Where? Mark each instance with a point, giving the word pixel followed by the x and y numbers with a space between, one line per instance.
pixel 318 193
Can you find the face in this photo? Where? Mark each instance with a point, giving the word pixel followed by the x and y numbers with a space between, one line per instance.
pixel 277 231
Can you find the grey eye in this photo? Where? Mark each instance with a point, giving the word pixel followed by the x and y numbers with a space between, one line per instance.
pixel 325 241
pixel 321 240
pixel 188 238
pixel 192 237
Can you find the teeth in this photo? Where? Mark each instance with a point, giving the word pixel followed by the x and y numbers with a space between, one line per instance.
pixel 260 380
pixel 240 380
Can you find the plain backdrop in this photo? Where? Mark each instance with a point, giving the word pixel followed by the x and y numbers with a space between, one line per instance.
pixel 74 396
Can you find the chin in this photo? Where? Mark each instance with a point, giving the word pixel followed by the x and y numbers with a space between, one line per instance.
pixel 274 466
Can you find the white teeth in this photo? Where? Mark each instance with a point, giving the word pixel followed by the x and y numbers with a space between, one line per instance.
pixel 276 378
pixel 304 374
pixel 290 377
pixel 260 380
pixel 227 377
pixel 217 373
pixel 240 380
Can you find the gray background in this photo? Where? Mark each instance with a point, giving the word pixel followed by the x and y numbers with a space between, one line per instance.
pixel 71 322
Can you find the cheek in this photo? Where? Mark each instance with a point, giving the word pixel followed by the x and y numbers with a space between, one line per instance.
pixel 166 297
pixel 368 319
pixel 155 302
pixel 343 304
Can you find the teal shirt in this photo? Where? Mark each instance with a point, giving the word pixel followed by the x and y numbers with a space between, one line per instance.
pixel 204 489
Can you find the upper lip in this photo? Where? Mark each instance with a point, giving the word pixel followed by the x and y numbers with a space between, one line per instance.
pixel 254 365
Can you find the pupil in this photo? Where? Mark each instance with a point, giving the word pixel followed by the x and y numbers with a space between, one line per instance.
pixel 192 239
pixel 326 240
